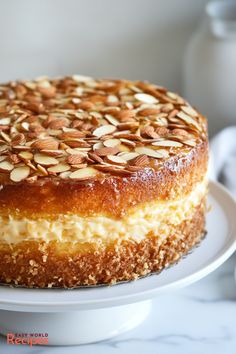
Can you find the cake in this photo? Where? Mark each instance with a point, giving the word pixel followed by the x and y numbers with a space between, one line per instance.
pixel 101 181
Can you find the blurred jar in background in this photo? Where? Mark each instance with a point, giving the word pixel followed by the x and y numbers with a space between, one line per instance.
pixel 210 66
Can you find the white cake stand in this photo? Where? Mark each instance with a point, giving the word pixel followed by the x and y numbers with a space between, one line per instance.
pixel 88 315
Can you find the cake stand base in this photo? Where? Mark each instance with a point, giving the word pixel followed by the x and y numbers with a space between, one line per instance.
pixel 79 327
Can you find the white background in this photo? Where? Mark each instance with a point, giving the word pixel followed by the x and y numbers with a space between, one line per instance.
pixel 136 39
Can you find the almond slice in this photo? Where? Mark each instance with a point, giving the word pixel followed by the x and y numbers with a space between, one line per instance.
pixel 117 160
pixel 149 152
pixel 75 159
pixel 128 155
pixel 5 121
pixel 6 166
pixel 146 98
pixel 104 130
pixel 82 78
pixel 19 173
pixel 189 110
pixel 189 120
pixel 190 143
pixel 105 151
pixel 46 143
pixel 61 167
pixel 111 119
pixel 111 142
pixel 26 155
pixel 168 143
pixel 84 173
pixel 45 160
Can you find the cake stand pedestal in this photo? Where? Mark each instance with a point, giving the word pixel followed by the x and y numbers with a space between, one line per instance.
pixel 87 315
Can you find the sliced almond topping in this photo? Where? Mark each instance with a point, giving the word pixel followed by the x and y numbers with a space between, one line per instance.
pixel 95 157
pixel 55 153
pixel 111 119
pixel 117 160
pixel 84 173
pixel 128 155
pixel 189 110
pixel 149 152
pixel 5 121
pixel 140 160
pixel 82 78
pixel 168 143
pixel 107 151
pixel 19 173
pixel 148 112
pixel 189 120
pixel 42 170
pixel 18 139
pixel 146 98
pixel 111 142
pixel 61 167
pixel 6 166
pixel 48 144
pixel 26 155
pixel 128 142
pixel 190 142
pixel 104 130
pixel 45 160
pixel 75 159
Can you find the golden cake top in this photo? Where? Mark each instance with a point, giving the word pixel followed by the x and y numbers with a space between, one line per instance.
pixel 78 127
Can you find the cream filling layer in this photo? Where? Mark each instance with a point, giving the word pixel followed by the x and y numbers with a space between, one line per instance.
pixel 156 217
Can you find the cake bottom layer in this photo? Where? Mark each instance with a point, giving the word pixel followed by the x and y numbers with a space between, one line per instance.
pixel 68 265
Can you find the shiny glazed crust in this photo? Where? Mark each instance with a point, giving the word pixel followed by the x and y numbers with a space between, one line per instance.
pixel 54 264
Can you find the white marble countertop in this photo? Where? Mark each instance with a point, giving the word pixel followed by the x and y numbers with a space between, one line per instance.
pixel 198 319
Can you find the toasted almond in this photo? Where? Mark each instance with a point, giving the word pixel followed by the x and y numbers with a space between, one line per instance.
pixel 65 175
pixel 140 160
pixel 72 135
pixel 26 155
pixel 82 78
pixel 6 166
pixel 18 139
pixel 148 112
pixel 3 148
pixel 111 142
pixel 84 173
pixel 128 125
pixel 47 143
pixel 107 151
pixel 75 159
pixel 95 157
pixel 58 123
pixel 5 137
pixel 190 142
pixel 45 160
pixel 42 170
pixel 5 121
pixel 146 98
pixel 149 132
pixel 189 110
pixel 111 119
pixel 104 130
pixel 167 143
pixel 189 120
pixel 181 132
pixel 126 115
pixel 117 160
pixel 61 167
pixel 79 165
pixel 54 153
pixel 149 152
pixel 128 142
pixel 19 173
pixel 128 155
